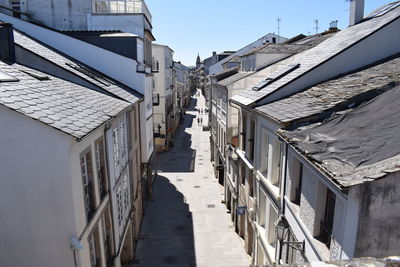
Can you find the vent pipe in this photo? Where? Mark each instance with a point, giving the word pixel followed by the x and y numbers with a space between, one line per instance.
pixel 356 11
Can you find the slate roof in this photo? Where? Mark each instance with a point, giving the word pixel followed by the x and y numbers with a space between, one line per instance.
pixel 90 75
pixel 335 94
pixel 315 56
pixel 235 77
pixel 357 145
pixel 65 106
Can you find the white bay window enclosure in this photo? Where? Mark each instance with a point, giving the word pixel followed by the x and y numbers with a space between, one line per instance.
pixel 121 7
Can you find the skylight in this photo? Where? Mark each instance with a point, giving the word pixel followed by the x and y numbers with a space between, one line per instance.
pixel 36 75
pixel 7 78
pixel 276 76
pixel 91 73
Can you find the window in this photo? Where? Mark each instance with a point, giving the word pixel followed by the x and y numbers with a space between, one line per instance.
pixel 100 168
pixel 121 6
pixel 327 224
pixel 244 128
pixel 243 173
pixel 135 126
pixel 251 139
pixel 277 163
pixel 123 143
pixel 140 50
pixel 290 250
pixel 87 181
pixel 273 216
pixel 119 206
pixel 120 147
pixel 264 154
pixel 125 190
pixel 298 188
pixel 16 5
pixel 105 236
pixel 262 201
pixel 94 247
pixel 116 152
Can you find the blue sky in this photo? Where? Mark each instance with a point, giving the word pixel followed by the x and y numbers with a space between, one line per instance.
pixel 202 26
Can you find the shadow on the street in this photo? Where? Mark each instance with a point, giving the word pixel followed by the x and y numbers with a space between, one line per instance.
pixel 166 236
pixel 181 157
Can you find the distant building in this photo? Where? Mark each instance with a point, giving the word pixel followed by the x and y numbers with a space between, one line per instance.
pixel 165 98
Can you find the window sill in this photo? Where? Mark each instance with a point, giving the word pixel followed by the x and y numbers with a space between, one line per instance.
pixel 275 190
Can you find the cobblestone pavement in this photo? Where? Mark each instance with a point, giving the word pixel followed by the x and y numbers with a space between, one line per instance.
pixel 186 224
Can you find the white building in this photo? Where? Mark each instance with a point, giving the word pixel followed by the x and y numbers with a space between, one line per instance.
pixel 134 73
pixel 165 97
pixel 269 38
pixel 261 152
pixel 60 200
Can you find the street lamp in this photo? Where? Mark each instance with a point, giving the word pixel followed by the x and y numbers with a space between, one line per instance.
pixel 282 229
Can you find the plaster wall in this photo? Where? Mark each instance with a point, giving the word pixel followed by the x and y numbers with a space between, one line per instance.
pixel 378 227
pixel 60 14
pixel 123 22
pixel 36 193
pixel 308 200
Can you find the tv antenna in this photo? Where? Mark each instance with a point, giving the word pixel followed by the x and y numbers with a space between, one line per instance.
pixel 278 20
pixel 316 26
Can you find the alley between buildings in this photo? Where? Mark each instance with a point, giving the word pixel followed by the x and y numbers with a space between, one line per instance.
pixel 185 223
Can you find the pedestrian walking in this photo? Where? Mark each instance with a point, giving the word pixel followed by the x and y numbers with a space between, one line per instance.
pixel 198 120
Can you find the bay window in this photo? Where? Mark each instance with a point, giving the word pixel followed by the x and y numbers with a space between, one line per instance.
pixel 121 7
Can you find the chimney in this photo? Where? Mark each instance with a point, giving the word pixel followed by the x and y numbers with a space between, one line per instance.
pixel 7 49
pixel 356 11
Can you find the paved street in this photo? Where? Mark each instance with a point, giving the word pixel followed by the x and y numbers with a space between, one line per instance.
pixel 186 224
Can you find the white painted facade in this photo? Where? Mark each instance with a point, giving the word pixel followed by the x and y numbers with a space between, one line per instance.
pixel 271 38
pixel 46 192
pixel 165 92
pixel 126 73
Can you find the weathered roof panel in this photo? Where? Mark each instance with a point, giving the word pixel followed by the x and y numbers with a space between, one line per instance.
pixel 335 93
pixel 355 146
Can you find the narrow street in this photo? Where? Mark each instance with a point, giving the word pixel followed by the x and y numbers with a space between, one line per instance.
pixel 185 223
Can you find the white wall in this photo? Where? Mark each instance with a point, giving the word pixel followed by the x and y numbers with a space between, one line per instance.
pixel 127 23
pixel 116 66
pixel 36 205
pixel 82 225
